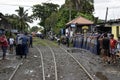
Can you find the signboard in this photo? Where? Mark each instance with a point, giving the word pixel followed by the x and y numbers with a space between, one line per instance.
pixel 73 25
pixel 14 31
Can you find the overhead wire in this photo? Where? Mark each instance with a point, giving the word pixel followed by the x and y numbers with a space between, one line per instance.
pixel 15 5
pixel 21 4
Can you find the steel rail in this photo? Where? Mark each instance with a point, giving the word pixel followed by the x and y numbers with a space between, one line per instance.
pixel 56 76
pixel 55 64
pixel 43 70
pixel 17 67
pixel 79 64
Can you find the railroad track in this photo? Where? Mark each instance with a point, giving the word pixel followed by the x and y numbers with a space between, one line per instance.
pixel 52 61
pixel 78 63
pixel 16 69
pixel 29 69
pixel 81 66
pixel 55 63
pixel 58 76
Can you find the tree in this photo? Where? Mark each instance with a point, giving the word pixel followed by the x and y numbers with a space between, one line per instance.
pixel 84 6
pixel 51 21
pixel 52 17
pixel 72 9
pixel 34 29
pixel 23 18
pixel 42 12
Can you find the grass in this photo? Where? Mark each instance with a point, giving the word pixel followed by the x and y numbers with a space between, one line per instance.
pixel 51 43
pixel 43 42
pixel 38 41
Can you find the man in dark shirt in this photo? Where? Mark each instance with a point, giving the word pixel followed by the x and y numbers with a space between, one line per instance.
pixel 24 45
pixel 105 47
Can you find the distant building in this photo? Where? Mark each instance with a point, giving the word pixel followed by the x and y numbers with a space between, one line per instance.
pixel 79 25
pixel 111 26
pixel 115 27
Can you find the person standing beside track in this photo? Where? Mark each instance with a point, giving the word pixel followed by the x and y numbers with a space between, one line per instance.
pixel 113 44
pixel 4 45
pixel 105 48
pixel 19 45
pixel 100 42
pixel 30 40
pixel 11 43
pixel 67 39
pixel 25 41
pixel 118 45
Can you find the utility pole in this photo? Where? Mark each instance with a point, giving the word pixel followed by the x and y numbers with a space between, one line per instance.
pixel 106 15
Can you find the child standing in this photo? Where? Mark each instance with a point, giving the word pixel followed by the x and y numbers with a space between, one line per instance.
pixel 113 44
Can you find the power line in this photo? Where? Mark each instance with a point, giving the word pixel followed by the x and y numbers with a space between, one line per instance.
pixel 16 5
pixel 22 5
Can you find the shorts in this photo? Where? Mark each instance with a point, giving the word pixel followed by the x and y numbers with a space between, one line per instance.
pixel 105 52
pixel 113 51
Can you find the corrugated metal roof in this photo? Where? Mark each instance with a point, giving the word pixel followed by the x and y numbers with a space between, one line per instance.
pixel 80 20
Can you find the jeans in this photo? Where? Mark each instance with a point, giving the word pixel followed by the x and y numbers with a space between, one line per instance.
pixel 4 49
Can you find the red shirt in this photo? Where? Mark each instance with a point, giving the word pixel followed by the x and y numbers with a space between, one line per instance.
pixel 3 41
pixel 113 43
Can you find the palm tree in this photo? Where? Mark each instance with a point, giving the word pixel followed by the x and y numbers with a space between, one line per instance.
pixel 84 6
pixel 23 18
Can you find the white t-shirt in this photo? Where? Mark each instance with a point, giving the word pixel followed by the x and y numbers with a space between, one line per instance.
pixel 118 45
pixel 11 41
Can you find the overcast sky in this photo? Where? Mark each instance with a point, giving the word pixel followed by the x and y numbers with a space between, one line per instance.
pixel 9 6
pixel 113 9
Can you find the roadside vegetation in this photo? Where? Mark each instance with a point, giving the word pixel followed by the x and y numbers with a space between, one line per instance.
pixel 37 41
pixel 43 42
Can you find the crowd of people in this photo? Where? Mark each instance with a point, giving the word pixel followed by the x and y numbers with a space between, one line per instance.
pixel 109 47
pixel 20 43
pixel 103 44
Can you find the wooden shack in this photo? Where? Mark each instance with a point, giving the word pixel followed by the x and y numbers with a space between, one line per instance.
pixel 79 25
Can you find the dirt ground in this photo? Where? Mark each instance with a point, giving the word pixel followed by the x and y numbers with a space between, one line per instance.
pixel 95 66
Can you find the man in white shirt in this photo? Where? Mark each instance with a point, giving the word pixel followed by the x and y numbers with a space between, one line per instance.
pixel 11 43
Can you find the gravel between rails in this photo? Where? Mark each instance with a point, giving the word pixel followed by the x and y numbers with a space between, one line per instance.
pixel 31 69
pixel 8 66
pixel 93 63
pixel 68 68
pixel 48 60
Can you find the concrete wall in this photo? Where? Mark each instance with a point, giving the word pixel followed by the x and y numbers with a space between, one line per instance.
pixel 116 31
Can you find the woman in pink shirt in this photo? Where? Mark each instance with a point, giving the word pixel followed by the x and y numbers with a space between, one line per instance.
pixel 4 45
